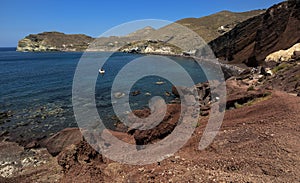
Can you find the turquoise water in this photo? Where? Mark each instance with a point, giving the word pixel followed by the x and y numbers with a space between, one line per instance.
pixel 36 88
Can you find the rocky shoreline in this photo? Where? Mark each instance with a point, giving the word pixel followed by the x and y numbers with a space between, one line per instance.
pixel 257 142
pixel 66 152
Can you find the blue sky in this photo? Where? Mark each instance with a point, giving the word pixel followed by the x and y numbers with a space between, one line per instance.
pixel 19 18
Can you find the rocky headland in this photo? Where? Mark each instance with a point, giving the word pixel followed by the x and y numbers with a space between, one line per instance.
pixel 54 41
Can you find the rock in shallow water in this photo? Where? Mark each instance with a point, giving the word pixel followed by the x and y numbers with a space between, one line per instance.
pixel 119 95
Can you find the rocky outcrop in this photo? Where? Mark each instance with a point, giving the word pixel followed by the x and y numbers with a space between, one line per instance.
pixel 54 41
pixel 241 92
pixel 166 127
pixel 56 143
pixel 151 47
pixel 252 40
pixel 284 55
pixel 286 76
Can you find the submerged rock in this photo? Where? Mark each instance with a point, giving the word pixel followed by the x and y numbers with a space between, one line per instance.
pixel 118 95
pixel 135 93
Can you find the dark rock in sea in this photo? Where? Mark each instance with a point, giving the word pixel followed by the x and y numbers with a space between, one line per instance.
pixel 5 116
pixel 254 39
pixel 135 93
pixel 23 123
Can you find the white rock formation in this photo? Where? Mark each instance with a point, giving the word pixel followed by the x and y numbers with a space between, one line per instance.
pixel 283 55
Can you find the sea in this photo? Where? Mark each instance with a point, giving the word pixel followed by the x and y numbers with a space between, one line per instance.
pixel 36 90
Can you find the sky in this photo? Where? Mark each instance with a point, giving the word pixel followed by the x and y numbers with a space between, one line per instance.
pixel 19 18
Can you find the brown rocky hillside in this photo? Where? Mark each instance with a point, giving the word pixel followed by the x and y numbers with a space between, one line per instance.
pixel 252 40
pixel 208 27
pixel 212 26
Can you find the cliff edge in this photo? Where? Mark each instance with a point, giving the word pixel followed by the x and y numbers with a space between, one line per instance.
pixel 254 39
pixel 54 41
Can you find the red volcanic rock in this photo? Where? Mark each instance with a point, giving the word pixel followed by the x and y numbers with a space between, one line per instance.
pixel 162 130
pixel 125 137
pixel 254 39
pixel 56 143
pixel 142 113
pixel 80 162
pixel 76 154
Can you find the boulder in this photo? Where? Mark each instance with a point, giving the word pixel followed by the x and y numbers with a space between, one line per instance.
pixel 143 137
pixel 135 93
pixel 56 143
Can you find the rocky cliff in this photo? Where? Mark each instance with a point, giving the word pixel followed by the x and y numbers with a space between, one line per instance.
pixel 252 40
pixel 208 27
pixel 151 47
pixel 54 41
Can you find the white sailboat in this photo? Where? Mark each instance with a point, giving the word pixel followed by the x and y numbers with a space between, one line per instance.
pixel 101 71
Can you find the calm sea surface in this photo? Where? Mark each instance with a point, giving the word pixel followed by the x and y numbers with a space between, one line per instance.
pixel 36 90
